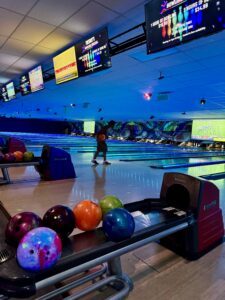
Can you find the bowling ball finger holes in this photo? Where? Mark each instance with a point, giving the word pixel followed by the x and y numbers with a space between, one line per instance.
pixel 46 257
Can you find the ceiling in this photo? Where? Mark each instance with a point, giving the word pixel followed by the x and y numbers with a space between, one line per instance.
pixel 31 32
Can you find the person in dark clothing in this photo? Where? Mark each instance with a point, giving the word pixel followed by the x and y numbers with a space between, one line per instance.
pixel 101 137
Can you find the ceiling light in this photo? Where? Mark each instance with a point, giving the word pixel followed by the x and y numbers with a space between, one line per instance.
pixel 147 96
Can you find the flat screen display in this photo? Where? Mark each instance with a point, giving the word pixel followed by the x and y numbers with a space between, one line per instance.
pixel 93 53
pixel 89 126
pixel 4 94
pixel 25 85
pixel 65 65
pixel 36 79
pixel 210 130
pixel 11 91
pixel 172 22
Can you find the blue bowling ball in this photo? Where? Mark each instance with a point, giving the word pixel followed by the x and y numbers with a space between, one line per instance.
pixel 118 224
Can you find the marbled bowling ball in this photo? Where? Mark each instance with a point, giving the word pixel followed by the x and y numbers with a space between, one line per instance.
pixel 118 224
pixel 39 249
pixel 61 219
pixel 2 156
pixel 19 225
pixel 109 202
pixel 9 157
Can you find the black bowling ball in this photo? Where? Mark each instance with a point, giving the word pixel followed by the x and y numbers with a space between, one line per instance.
pixel 61 219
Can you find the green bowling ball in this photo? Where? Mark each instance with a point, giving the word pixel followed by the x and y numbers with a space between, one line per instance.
pixel 109 202
pixel 28 156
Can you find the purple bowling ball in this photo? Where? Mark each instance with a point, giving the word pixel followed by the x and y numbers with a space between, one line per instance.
pixel 1 156
pixel 9 157
pixel 19 225
pixel 39 249
pixel 61 219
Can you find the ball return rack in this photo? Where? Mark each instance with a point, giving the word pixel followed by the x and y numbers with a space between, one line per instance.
pixel 186 218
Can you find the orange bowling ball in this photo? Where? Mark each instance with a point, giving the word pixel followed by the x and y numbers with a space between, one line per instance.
pixel 18 155
pixel 88 215
pixel 101 137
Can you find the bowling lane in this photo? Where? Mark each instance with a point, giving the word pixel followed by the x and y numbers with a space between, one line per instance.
pixel 129 181
pixel 88 144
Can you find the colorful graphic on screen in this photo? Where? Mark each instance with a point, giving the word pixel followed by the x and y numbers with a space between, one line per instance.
pixel 172 22
pixel 89 126
pixel 4 94
pixel 210 130
pixel 65 66
pixel 36 79
pixel 25 85
pixel 93 53
pixel 10 91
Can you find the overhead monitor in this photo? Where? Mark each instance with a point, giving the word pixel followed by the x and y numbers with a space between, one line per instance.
pixel 10 91
pixel 172 22
pixel 4 94
pixel 36 79
pixel 93 53
pixel 25 85
pixel 65 66
pixel 89 126
pixel 209 130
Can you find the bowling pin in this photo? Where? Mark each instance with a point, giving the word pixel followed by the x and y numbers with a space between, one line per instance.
pixel 186 14
pixel 180 29
pixel 163 29
pixel 174 19
pixel 193 18
pixel 180 15
pixel 180 23
pixel 199 15
pixel 85 61
pixel 169 30
pixel 88 60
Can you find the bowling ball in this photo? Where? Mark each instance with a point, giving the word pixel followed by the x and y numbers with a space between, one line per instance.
pixel 19 225
pixel 88 215
pixel 28 156
pixel 1 156
pixel 9 157
pixel 39 249
pixel 101 137
pixel 18 155
pixel 109 202
pixel 118 224
pixel 61 219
